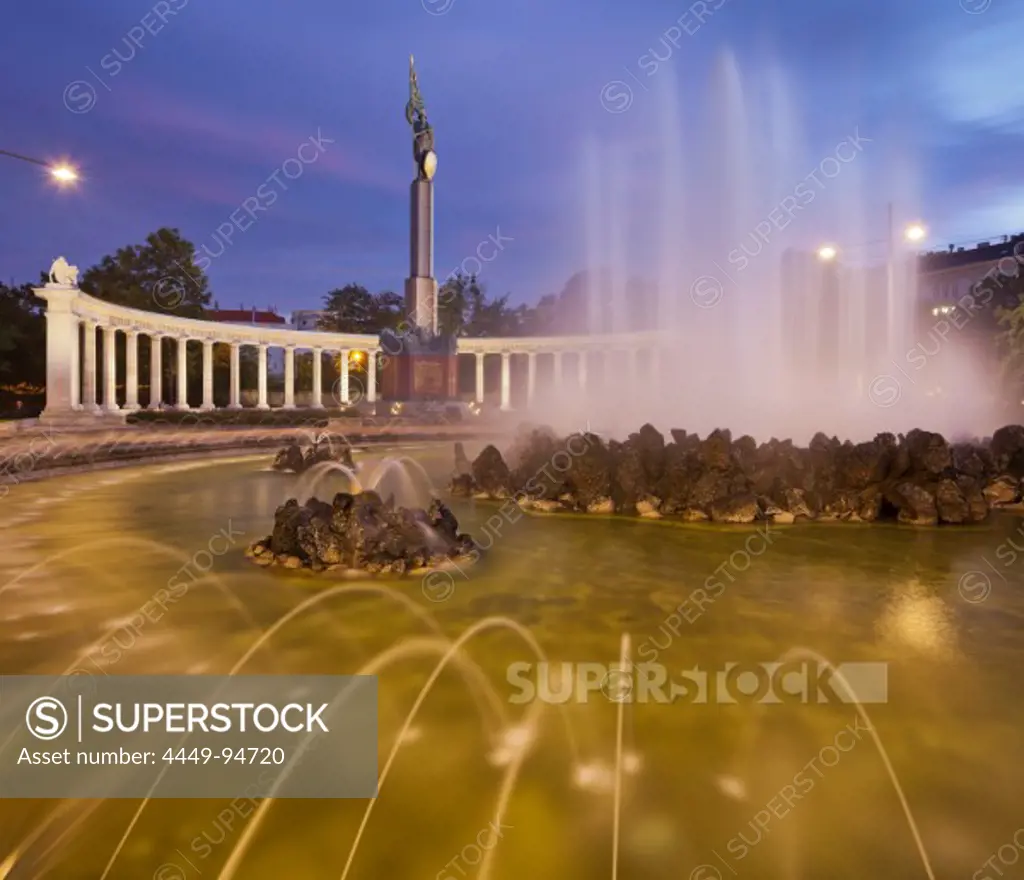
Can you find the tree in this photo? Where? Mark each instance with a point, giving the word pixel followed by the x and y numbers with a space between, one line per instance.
pixel 1003 296
pixel 451 306
pixel 350 309
pixel 388 311
pixel 488 317
pixel 158 276
pixel 22 338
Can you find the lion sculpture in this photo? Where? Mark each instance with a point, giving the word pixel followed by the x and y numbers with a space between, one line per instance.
pixel 63 274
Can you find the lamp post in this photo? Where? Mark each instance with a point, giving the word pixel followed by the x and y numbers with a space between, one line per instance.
pixel 913 232
pixel 894 333
pixel 61 172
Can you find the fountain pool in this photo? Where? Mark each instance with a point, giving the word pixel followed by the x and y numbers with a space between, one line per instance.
pixel 594 790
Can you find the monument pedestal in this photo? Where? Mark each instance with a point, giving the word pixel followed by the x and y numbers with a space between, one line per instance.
pixel 419 367
pixel 421 377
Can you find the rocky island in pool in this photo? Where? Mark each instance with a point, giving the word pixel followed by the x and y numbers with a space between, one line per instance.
pixel 292 459
pixel 917 479
pixel 363 533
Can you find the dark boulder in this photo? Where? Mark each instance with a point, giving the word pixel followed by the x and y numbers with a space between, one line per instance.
pixel 293 459
pixel 490 473
pixel 715 452
pixel 951 504
pixel 284 540
pixel 929 454
pixel 863 465
pixel 735 509
pixel 289 459
pixel 1007 449
pixel 1002 491
pixel 541 465
pixel 589 476
pixel 361 532
pixel 914 503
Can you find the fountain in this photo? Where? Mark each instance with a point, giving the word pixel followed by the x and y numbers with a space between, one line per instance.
pixel 759 335
pixel 324 449
pixel 361 533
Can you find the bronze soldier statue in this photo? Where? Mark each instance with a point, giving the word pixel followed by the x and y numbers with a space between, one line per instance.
pixel 422 132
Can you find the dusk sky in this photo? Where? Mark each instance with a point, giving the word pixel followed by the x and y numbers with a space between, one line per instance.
pixel 181 131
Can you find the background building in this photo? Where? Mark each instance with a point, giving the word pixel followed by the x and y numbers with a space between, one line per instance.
pixel 306 319
pixel 947 276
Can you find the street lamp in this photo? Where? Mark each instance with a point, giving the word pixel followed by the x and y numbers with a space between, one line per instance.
pixel 915 232
pixel 62 172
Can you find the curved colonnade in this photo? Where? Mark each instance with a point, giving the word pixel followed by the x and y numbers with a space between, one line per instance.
pixel 74 318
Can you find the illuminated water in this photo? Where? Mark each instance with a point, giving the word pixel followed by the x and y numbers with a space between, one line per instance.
pixel 714 194
pixel 81 556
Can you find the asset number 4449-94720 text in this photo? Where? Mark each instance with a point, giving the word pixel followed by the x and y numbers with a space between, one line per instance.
pixel 251 755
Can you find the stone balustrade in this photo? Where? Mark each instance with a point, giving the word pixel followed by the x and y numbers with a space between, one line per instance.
pixel 73 319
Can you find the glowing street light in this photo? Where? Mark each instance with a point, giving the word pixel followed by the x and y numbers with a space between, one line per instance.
pixel 62 173
pixel 915 232
pixel 827 253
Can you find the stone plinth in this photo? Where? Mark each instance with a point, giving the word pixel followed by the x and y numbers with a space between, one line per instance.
pixel 419 366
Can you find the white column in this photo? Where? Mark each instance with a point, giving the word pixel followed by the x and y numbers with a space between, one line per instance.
pixel 110 370
pixel 131 370
pixel 506 381
pixel 182 399
pixel 75 353
pixel 61 351
pixel 655 368
pixel 557 369
pixel 262 404
pixel 318 378
pixel 581 368
pixel 371 376
pixel 235 381
pixel 89 368
pixel 156 372
pixel 531 375
pixel 207 404
pixel 479 377
pixel 289 377
pixel 344 391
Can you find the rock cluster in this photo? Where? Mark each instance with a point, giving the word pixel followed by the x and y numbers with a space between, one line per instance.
pixel 362 533
pixel 293 459
pixel 918 479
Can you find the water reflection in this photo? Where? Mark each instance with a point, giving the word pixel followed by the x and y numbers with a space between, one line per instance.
pixel 917 620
